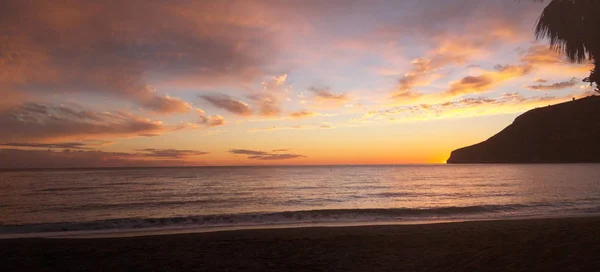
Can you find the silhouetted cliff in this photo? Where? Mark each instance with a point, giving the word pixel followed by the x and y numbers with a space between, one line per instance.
pixel 567 132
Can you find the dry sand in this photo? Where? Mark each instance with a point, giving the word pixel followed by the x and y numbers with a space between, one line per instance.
pixel 568 244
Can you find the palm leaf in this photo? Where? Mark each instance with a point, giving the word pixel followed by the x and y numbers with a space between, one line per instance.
pixel 573 28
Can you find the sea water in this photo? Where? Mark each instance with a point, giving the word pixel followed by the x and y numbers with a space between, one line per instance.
pixel 41 201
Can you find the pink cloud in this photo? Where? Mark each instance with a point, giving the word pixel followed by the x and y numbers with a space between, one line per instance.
pixel 229 104
pixel 102 48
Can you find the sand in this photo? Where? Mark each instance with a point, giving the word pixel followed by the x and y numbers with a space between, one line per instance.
pixel 568 244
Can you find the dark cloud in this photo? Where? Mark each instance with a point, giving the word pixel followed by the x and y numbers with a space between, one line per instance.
pixel 265 156
pixel 281 150
pixel 555 86
pixel 115 48
pixel 229 104
pixel 170 153
pixel 247 152
pixel 539 80
pixel 273 157
pixel 35 122
pixel 211 121
pixel 17 158
pixel 51 145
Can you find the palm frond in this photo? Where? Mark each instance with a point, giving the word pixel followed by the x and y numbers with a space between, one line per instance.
pixel 563 22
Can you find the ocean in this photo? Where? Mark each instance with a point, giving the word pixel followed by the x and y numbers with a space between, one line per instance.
pixel 119 200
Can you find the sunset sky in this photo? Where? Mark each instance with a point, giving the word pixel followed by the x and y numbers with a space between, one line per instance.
pixel 148 83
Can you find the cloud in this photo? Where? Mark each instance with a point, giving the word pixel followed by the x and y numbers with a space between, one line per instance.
pixel 265 156
pixel 272 157
pixel 313 126
pixel 420 74
pixel 452 49
pixel 543 57
pixel 406 95
pixel 212 121
pixel 555 86
pixel 169 153
pixel 326 94
pixel 303 114
pixel 268 104
pixel 471 84
pixel 40 122
pixel 465 107
pixel 270 98
pixel 209 121
pixel 487 80
pixel 247 152
pixel 281 150
pixel 102 48
pixel 539 80
pixel 73 145
pixel 166 104
pixel 229 104
pixel 542 54
pixel 18 158
pixel 325 98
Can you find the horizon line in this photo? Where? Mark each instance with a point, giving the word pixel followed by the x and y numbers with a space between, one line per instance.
pixel 208 166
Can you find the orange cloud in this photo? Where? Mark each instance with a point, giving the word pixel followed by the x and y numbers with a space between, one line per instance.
pixel 163 104
pixel 543 57
pixel 542 54
pixel 209 121
pixel 487 80
pixel 303 114
pixel 452 49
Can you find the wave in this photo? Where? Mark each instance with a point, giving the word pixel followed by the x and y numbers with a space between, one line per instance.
pixel 290 217
pixel 67 189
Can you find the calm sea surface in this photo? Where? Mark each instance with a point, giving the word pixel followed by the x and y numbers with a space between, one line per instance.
pixel 56 201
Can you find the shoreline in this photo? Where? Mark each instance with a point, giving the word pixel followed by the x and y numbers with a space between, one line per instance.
pixel 193 229
pixel 552 244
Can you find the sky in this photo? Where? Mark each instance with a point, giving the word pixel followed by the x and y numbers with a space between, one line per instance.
pixel 193 83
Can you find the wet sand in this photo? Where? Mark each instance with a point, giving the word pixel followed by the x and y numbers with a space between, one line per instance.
pixel 567 244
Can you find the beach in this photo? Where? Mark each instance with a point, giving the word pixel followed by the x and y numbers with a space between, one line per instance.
pixel 560 244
